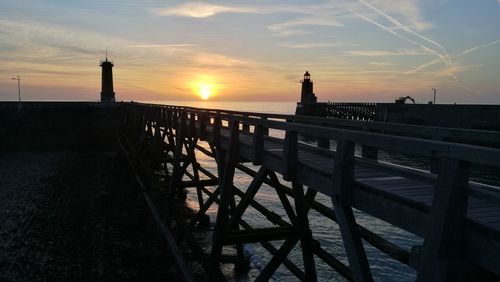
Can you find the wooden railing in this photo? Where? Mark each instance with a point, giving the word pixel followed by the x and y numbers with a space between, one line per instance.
pixel 444 225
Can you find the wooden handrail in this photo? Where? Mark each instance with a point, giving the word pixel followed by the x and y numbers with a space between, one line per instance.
pixel 417 146
pixel 457 135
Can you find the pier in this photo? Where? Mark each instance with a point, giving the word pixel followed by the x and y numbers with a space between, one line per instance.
pixel 458 219
pixel 338 175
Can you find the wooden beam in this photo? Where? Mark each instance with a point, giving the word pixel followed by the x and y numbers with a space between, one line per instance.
pixel 304 232
pixel 258 144
pixel 343 177
pixel 258 235
pixel 442 255
pixel 226 193
pixel 290 155
pixel 247 198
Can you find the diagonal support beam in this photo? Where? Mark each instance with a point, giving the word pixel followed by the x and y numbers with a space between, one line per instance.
pixel 247 198
pixel 302 226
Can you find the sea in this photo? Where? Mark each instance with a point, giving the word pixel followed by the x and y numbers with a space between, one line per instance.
pixel 383 267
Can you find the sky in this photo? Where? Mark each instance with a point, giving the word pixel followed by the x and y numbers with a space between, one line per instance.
pixel 364 50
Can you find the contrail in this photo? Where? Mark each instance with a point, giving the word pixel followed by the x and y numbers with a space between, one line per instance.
pixel 402 26
pixel 423 66
pixel 428 64
pixel 477 47
pixel 441 56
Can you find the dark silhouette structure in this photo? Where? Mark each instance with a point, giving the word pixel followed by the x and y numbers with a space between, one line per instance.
pixel 107 94
pixel 307 94
pixel 402 100
pixel 440 206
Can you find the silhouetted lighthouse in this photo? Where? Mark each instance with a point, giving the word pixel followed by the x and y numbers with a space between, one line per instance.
pixel 107 94
pixel 307 94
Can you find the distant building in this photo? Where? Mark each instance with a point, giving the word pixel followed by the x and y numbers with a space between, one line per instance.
pixel 107 94
pixel 307 94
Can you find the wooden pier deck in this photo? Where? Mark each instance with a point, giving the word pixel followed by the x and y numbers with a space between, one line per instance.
pixel 458 219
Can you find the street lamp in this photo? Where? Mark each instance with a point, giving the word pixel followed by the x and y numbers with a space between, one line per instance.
pixel 434 89
pixel 18 89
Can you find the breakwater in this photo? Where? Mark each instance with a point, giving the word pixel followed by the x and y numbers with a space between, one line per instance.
pixel 484 117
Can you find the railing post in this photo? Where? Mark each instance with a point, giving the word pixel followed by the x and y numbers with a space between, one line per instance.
pixel 225 190
pixel 216 129
pixel 290 155
pixel 192 124
pixel 369 152
pixel 435 160
pixel 203 120
pixel 266 129
pixel 343 178
pixel 179 142
pixel 258 143
pixel 245 125
pixel 324 142
pixel 442 252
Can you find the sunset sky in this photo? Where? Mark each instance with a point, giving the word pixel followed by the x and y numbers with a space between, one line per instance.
pixel 366 50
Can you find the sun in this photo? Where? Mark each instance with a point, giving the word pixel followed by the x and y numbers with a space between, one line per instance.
pixel 204 86
pixel 205 90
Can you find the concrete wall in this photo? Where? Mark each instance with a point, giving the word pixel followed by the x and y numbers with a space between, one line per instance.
pixel 463 116
pixel 58 125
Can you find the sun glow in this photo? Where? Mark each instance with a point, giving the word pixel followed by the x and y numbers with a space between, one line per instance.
pixel 204 86
pixel 205 90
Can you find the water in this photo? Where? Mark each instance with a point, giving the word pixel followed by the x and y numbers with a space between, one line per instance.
pixel 257 107
pixel 324 230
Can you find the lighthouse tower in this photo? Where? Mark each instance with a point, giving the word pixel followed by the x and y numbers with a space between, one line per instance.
pixel 307 94
pixel 107 94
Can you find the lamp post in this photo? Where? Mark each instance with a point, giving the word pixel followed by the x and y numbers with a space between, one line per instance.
pixel 434 89
pixel 18 89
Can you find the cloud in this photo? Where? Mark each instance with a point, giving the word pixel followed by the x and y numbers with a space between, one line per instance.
pixel 308 45
pixel 291 32
pixel 215 60
pixel 163 45
pixel 49 44
pixel 380 53
pixel 202 10
pixel 381 64
pixel 305 21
